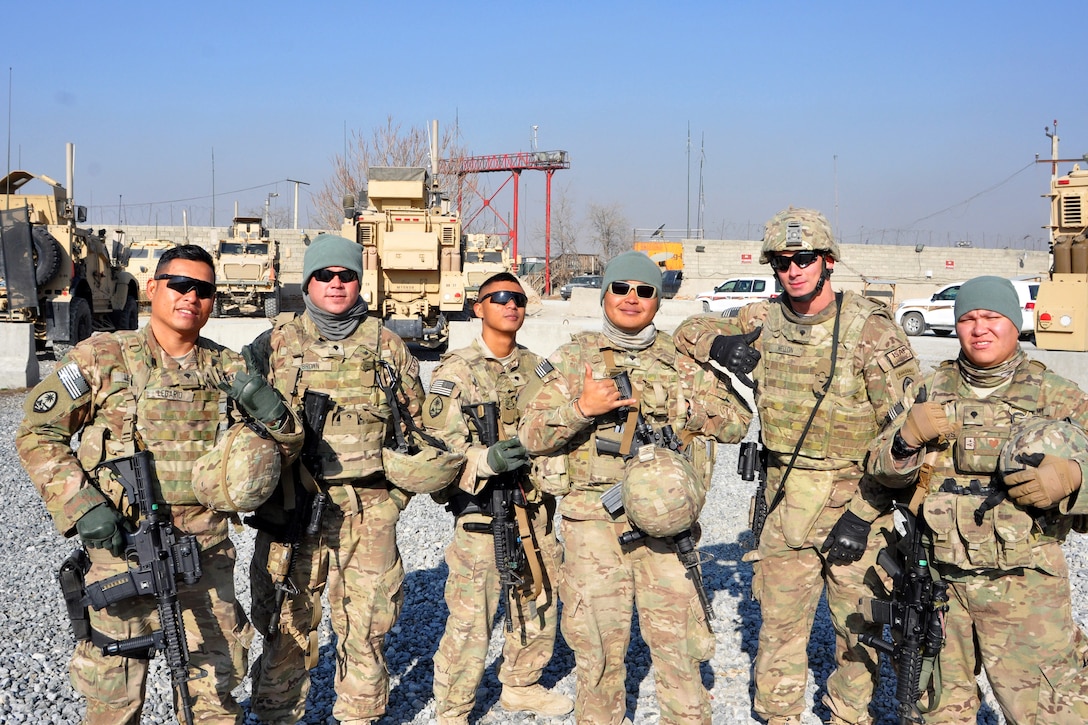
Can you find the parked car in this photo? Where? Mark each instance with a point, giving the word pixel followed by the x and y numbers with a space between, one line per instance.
pixel 583 280
pixel 937 312
pixel 670 282
pixel 739 291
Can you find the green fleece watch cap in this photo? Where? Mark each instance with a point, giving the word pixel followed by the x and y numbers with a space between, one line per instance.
pixel 632 266
pixel 331 250
pixel 995 294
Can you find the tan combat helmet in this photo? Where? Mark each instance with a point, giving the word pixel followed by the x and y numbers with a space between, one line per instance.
pixel 428 471
pixel 1041 435
pixel 796 230
pixel 663 495
pixel 239 473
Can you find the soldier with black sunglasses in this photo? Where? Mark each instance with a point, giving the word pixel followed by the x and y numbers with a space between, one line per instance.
pixel 492 373
pixel 829 370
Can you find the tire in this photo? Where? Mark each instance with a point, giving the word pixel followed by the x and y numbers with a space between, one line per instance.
pixel 80 322
pixel 217 306
pixel 46 256
pixel 272 304
pixel 128 317
pixel 706 306
pixel 942 333
pixel 913 324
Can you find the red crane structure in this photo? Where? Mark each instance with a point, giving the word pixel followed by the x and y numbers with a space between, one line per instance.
pixel 547 161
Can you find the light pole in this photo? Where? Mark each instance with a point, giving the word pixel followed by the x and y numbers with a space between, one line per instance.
pixel 296 183
pixel 267 204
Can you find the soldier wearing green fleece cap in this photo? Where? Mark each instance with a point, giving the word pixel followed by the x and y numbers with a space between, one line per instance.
pixel 996 446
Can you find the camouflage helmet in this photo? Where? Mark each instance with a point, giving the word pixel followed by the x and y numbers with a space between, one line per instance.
pixel 428 471
pixel 1042 435
pixel 796 230
pixel 239 473
pixel 662 495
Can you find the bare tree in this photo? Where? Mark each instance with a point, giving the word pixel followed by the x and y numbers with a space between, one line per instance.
pixel 609 229
pixel 388 145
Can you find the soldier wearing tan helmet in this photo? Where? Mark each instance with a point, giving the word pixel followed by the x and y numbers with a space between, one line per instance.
pixel 166 390
pixel 996 451
pixel 828 370
pixel 334 349
pixel 578 424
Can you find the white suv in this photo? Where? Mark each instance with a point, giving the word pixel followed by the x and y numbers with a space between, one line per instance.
pixel 936 313
pixel 739 291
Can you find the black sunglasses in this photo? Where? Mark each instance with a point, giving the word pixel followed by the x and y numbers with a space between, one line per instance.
pixel 344 275
pixel 503 296
pixel 801 259
pixel 645 291
pixel 184 285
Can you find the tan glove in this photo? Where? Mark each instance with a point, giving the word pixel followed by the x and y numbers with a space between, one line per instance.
pixel 1045 482
pixel 925 422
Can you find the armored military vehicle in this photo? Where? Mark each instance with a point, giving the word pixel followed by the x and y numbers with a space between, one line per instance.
pixel 142 258
pixel 65 279
pixel 1061 304
pixel 247 268
pixel 411 248
pixel 484 255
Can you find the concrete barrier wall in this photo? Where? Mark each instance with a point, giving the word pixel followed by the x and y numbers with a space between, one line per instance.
pixel 18 359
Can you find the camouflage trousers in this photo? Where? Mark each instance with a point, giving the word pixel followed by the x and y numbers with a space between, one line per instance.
pixel 473 593
pixel 601 583
pixel 787 583
pixel 1019 626
pixel 357 562
pixel 216 631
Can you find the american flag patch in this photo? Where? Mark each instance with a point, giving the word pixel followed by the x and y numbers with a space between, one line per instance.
pixel 443 387
pixel 73 381
pixel 543 369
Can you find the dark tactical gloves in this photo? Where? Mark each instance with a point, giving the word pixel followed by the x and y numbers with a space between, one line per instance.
pixel 846 542
pixel 507 455
pixel 102 528
pixel 736 354
pixel 1046 481
pixel 257 398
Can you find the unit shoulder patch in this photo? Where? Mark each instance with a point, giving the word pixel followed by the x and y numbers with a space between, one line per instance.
pixel 899 356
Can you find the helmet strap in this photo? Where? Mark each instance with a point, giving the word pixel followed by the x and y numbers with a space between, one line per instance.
pixel 825 275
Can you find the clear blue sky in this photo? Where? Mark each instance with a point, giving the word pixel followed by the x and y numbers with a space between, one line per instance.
pixel 906 110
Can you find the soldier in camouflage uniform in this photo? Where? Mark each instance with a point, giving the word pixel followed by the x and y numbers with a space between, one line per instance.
pixel 842 355
pixel 572 424
pixel 334 348
pixel 493 369
pixel 154 389
pixel 997 543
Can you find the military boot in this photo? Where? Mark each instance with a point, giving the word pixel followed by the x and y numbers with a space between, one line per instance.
pixel 455 720
pixel 536 699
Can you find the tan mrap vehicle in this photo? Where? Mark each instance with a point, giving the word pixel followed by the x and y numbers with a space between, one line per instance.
pixel 247 268
pixel 143 258
pixel 411 247
pixel 484 256
pixel 1061 304
pixel 63 278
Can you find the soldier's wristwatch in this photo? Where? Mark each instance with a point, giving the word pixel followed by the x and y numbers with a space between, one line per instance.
pixel 900 449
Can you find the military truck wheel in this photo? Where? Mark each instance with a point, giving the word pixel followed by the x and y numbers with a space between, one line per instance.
pixel 46 256
pixel 913 324
pixel 217 307
pixel 80 323
pixel 128 317
pixel 272 304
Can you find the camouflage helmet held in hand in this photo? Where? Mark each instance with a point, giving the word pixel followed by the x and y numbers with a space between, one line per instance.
pixel 663 495
pixel 428 471
pixel 797 230
pixel 1041 435
pixel 239 473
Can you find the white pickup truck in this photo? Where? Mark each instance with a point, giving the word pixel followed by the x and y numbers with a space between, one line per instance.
pixel 739 291
pixel 936 313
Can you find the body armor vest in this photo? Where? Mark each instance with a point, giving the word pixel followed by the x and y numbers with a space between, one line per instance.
pixel 655 381
pixel 974 524
pixel 797 362
pixel 358 420
pixel 178 413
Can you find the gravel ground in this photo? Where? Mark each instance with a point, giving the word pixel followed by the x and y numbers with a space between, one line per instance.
pixel 34 685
